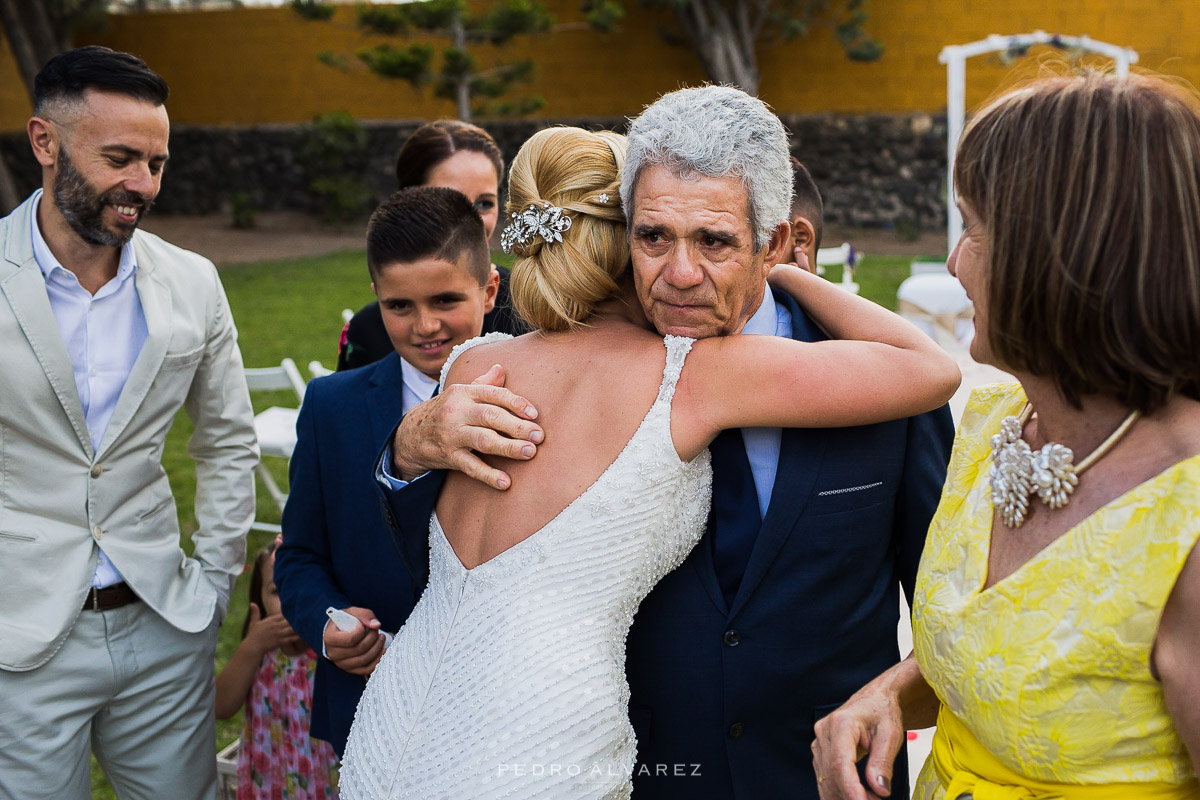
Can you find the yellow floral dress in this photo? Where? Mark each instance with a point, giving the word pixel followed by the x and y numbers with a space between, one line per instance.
pixel 1044 678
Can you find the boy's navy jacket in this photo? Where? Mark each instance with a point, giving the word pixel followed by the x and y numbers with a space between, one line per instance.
pixel 337 550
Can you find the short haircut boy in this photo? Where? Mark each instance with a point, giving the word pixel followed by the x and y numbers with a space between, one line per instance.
pixel 427 222
pixel 806 200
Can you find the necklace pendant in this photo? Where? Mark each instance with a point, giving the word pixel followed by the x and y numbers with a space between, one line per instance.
pixel 1012 478
pixel 1018 472
pixel 1054 474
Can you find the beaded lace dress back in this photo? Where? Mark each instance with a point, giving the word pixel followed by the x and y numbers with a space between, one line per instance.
pixel 508 680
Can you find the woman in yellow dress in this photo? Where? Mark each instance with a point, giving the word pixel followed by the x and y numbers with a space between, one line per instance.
pixel 1057 610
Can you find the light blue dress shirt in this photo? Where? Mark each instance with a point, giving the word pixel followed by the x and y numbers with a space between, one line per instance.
pixel 103 334
pixel 762 444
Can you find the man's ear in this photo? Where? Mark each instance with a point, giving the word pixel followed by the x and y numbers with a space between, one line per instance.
pixel 778 247
pixel 374 291
pixel 491 289
pixel 44 140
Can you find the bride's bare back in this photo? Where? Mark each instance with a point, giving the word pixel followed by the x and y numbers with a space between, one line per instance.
pixel 592 388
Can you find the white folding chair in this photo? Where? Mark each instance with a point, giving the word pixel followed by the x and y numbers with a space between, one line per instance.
pixel 227 761
pixel 318 369
pixel 935 302
pixel 843 256
pixel 275 427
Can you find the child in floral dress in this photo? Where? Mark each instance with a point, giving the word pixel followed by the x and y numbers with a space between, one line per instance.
pixel 271 673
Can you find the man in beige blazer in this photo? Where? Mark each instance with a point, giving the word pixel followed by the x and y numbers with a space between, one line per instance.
pixel 107 628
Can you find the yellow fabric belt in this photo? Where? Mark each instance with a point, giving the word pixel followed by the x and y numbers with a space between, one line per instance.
pixel 965 766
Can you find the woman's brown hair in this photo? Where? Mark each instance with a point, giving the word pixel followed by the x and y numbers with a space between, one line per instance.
pixel 435 142
pixel 1088 189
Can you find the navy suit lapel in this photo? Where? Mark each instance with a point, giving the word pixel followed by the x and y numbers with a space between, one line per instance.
pixel 702 561
pixel 800 455
pixel 385 397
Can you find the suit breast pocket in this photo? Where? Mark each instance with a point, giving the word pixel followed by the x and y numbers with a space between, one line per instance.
pixel 848 495
pixel 183 360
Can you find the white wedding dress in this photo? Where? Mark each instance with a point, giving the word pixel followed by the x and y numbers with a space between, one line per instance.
pixel 508 680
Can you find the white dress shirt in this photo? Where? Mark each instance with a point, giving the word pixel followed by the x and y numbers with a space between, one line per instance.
pixel 418 387
pixel 762 444
pixel 103 334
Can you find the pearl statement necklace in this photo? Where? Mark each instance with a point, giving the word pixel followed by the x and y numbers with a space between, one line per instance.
pixel 1018 472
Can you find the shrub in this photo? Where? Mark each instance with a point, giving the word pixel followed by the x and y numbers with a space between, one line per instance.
pixel 334 155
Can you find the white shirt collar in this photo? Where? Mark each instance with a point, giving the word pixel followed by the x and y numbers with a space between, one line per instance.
pixel 46 261
pixel 417 382
pixel 765 321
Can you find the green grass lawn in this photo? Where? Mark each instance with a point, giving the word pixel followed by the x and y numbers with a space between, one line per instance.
pixel 292 308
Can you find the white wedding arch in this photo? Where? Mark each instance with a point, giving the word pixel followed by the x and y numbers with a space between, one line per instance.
pixel 955 58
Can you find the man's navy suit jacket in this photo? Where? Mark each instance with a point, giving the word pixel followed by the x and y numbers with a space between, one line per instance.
pixel 336 546
pixel 723 699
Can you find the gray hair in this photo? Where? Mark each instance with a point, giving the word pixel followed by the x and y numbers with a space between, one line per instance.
pixel 715 131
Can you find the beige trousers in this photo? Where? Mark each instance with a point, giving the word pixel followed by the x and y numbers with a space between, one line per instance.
pixel 130 688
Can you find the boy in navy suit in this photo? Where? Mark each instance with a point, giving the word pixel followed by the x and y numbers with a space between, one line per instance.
pixel 431 271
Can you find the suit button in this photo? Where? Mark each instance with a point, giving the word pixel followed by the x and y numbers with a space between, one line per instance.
pixel 99 534
pixel 732 638
pixel 736 730
pixel 97 470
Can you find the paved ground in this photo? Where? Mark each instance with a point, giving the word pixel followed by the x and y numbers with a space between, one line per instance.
pixel 293 234
pixel 275 235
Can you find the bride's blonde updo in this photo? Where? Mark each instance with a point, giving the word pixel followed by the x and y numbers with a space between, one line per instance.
pixel 556 285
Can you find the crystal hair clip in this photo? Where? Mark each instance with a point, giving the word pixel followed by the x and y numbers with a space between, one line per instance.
pixel 549 222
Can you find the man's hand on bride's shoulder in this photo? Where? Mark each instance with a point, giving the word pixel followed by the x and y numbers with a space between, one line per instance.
pixel 448 431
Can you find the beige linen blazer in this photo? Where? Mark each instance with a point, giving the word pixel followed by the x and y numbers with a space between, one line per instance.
pixel 59 499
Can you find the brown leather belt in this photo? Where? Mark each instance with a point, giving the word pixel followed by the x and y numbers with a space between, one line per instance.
pixel 115 596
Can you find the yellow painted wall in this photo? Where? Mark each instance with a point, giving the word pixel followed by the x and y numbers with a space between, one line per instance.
pixel 811 76
pixel 260 66
pixel 255 66
pixel 14 99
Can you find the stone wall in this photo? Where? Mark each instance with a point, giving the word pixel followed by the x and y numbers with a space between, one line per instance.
pixel 884 171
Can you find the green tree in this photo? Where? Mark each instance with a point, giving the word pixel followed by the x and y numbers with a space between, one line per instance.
pixel 36 31
pixel 457 75
pixel 725 34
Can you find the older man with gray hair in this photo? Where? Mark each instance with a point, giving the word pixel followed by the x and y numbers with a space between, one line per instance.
pixel 790 601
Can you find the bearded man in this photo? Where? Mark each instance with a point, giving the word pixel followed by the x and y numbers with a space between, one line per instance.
pixel 107 629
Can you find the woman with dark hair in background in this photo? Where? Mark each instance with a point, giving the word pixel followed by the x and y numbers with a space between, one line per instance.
pixel 453 155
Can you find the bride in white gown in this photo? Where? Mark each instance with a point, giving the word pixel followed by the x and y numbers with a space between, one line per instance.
pixel 508 680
